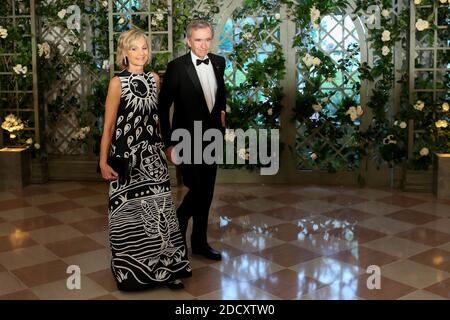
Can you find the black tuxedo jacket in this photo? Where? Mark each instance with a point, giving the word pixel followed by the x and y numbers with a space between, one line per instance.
pixel 182 87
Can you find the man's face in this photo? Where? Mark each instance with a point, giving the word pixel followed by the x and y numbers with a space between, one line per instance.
pixel 200 41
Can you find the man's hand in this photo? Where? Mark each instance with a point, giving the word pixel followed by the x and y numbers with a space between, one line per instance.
pixel 222 118
pixel 168 153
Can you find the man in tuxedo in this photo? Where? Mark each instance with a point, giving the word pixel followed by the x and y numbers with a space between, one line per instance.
pixel 195 85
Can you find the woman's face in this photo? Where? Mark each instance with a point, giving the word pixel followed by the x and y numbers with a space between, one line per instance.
pixel 138 53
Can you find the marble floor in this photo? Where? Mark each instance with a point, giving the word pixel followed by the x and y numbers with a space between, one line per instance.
pixel 277 241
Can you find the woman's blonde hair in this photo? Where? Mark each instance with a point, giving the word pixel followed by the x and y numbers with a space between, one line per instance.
pixel 125 42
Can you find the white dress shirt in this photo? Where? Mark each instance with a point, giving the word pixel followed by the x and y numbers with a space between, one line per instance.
pixel 207 79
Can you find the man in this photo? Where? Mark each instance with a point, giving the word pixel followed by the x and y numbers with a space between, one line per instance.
pixel 194 84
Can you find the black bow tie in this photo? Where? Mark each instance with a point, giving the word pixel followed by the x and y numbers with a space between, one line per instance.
pixel 199 62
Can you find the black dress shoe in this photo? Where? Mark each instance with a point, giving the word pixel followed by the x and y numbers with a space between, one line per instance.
pixel 207 252
pixel 175 284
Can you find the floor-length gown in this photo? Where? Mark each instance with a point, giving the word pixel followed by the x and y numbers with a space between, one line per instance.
pixel 146 243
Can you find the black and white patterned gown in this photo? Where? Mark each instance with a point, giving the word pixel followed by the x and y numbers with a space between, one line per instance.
pixel 146 243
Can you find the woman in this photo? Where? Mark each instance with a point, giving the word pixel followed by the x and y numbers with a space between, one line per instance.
pixel 146 243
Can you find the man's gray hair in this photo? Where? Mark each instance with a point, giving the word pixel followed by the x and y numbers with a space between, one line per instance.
pixel 197 24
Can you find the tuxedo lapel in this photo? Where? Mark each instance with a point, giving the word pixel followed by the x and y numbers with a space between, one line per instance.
pixel 193 74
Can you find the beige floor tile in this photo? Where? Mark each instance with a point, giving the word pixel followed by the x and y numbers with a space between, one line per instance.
pixel 26 257
pixel 445 247
pixel 101 237
pixel 91 261
pixel 376 207
pixel 6 195
pixel 75 215
pixel 21 213
pixel 247 267
pixel 386 225
pixel 413 274
pixel 324 244
pixel 259 204
pixel 257 222
pixel 54 233
pixel 91 201
pixel 335 291
pixel 397 247
pixel 58 290
pixel 6 228
pixel 367 193
pixel 37 200
pixel 442 225
pixel 251 242
pixel 63 186
pixel 421 295
pixel 328 271
pixel 438 209
pixel 316 206
pixel 10 283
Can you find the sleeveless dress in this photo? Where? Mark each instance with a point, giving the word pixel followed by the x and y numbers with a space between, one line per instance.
pixel 146 244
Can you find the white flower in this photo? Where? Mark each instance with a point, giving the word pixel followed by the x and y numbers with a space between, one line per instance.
pixel 159 16
pixel 417 1
pixel 385 50
pixel 229 135
pixel 445 107
pixel 19 69
pixel 424 152
pixel 441 124
pixel 44 50
pixel 386 36
pixel 317 107
pixel 389 140
pixel 403 125
pixel 12 136
pixel 277 16
pixel 355 113
pixel 247 36
pixel 105 4
pixel 270 111
pixel 29 141
pixel 308 60
pixel 121 20
pixel 62 13
pixel 154 22
pixel 316 61
pixel 442 1
pixel 422 25
pixel 315 13
pixel 419 105
pixel 242 153
pixel 314 156
pixel 3 32
pixel 385 13
pixel 37 146
pixel 228 109
pixel 105 65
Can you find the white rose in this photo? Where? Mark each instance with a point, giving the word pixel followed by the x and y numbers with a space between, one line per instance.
pixel 270 111
pixel 229 135
pixel 315 13
pixel 441 124
pixel 228 109
pixel 12 136
pixel 422 25
pixel 442 1
pixel 386 36
pixel 314 156
pixel 37 146
pixel 395 123
pixel 419 105
pixel 29 141
pixel 308 60
pixel 105 65
pixel 424 152
pixel 316 61
pixel 105 4
pixel 3 33
pixel 417 1
pixel 403 125
pixel 385 50
pixel 241 153
pixel 247 36
pixel 121 21
pixel 277 16
pixel 445 107
pixel 371 19
pixel 17 68
pixel 385 13
pixel 62 13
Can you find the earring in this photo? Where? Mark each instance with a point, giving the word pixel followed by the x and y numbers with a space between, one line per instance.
pixel 125 61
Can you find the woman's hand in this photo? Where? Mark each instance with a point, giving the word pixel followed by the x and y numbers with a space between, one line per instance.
pixel 108 173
